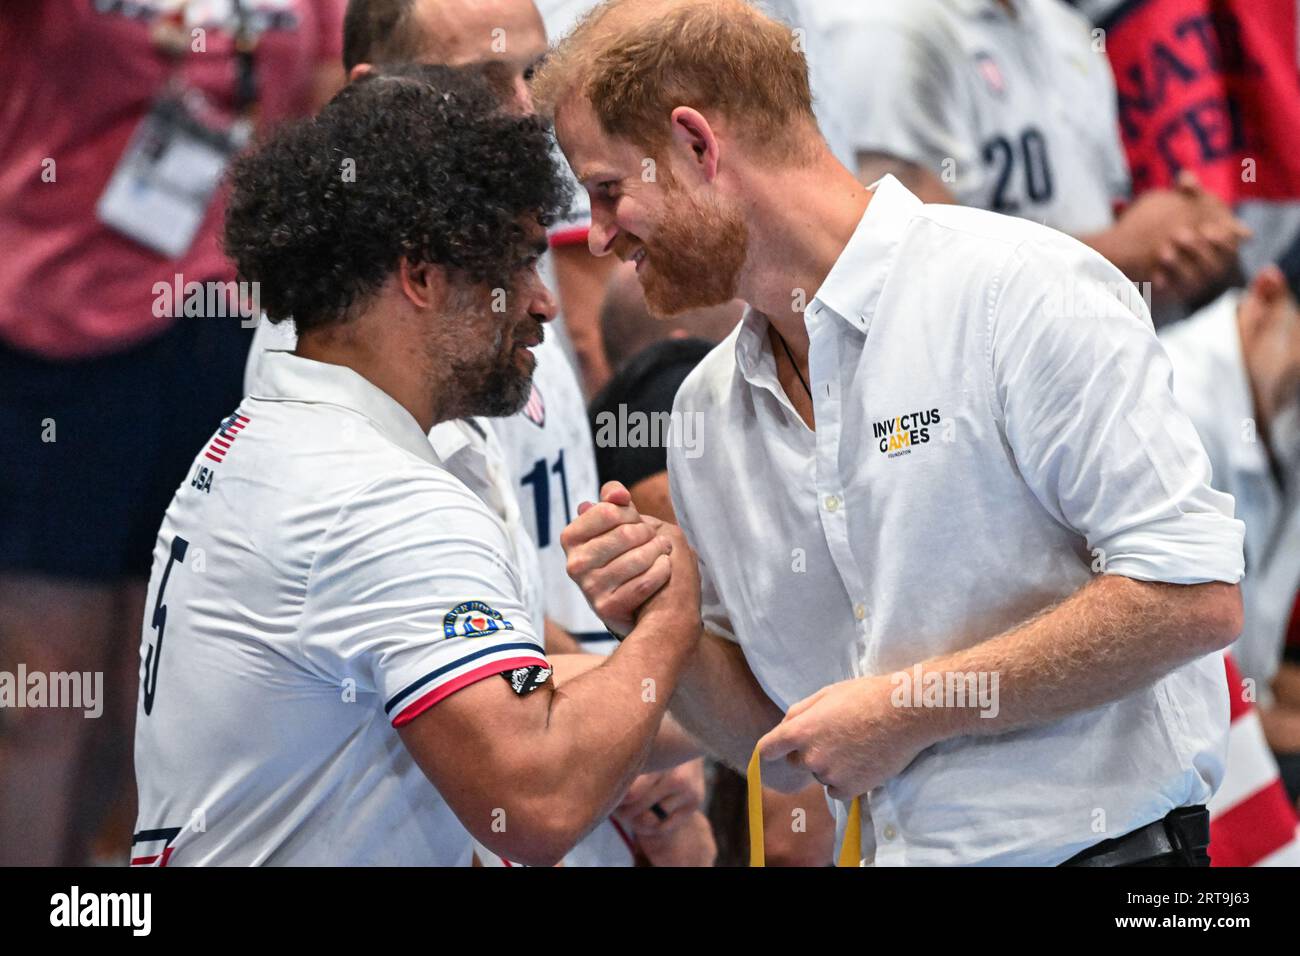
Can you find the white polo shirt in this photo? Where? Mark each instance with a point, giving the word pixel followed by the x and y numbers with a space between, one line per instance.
pixel 1016 114
pixel 992 420
pixel 468 448
pixel 1210 383
pixel 534 472
pixel 318 580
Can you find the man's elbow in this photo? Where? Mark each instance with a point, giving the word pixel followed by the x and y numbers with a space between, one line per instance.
pixel 1219 614
pixel 538 830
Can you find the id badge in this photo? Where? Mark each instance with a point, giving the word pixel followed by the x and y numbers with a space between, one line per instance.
pixel 161 189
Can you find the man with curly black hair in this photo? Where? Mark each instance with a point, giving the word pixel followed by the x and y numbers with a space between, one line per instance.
pixel 320 218
pixel 322 579
pixel 536 466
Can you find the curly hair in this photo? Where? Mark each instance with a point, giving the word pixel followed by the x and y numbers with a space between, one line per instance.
pixel 419 163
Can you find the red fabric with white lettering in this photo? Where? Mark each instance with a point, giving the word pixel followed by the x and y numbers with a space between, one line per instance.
pixel 1206 85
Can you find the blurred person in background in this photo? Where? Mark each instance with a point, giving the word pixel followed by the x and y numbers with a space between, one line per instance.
pixel 116 127
pixel 577 276
pixel 1008 105
pixel 1286 691
pixel 1237 375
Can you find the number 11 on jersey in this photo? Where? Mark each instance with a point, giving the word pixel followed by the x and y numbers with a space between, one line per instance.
pixel 540 479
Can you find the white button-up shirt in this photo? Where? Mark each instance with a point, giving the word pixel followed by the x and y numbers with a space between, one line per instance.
pixel 1211 384
pixel 993 420
pixel 318 580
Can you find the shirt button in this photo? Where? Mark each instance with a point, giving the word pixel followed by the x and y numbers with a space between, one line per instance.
pixel 859 611
pixel 832 502
pixel 889 832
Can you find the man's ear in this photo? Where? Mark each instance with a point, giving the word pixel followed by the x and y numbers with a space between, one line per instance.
pixel 693 134
pixel 424 286
pixel 360 70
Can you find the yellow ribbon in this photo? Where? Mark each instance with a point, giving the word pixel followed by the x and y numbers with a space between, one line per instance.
pixel 850 849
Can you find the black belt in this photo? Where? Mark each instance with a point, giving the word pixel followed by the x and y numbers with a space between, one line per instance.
pixel 1180 839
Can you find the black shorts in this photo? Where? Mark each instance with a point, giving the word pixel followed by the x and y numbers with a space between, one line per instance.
pixel 125 427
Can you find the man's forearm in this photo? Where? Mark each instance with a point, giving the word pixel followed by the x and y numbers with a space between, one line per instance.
pixel 628 691
pixel 672 744
pixel 721 704
pixel 1111 638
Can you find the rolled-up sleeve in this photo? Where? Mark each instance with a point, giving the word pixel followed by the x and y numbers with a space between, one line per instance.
pixel 1084 393
pixel 416 597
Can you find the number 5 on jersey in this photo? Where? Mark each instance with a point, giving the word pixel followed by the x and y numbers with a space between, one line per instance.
pixel 159 624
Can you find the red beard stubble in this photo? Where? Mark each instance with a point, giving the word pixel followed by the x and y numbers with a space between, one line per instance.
pixel 695 258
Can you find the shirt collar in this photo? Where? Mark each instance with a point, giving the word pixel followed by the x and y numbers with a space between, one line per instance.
pixel 451 438
pixel 852 287
pixel 287 377
pixel 466 448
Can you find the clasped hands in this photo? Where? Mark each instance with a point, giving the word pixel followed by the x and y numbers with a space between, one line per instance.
pixel 850 736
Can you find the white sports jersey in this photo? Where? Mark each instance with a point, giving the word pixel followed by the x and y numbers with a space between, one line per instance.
pixel 550 453
pixel 1014 113
pixel 319 579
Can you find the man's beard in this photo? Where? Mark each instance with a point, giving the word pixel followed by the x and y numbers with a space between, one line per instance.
pixel 695 258
pixel 504 391
pixel 494 386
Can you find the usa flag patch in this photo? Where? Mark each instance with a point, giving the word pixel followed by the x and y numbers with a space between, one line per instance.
pixel 535 410
pixel 226 435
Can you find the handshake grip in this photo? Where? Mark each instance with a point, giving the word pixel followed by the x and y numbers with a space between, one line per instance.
pixel 630 565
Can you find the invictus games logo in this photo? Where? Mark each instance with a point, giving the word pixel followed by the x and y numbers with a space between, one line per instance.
pixel 474 619
pixel 898 436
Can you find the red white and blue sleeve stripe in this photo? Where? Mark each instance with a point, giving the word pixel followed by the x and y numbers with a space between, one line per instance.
pixel 441 682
